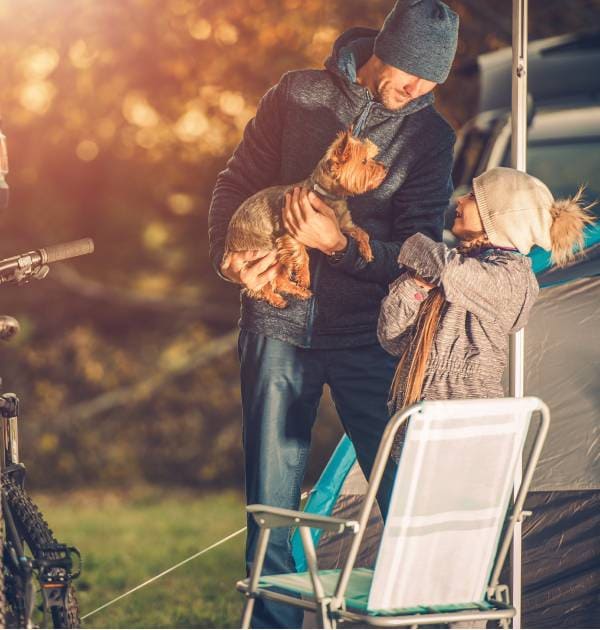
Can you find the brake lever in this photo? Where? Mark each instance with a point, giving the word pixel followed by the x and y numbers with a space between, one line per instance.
pixel 26 274
pixel 41 272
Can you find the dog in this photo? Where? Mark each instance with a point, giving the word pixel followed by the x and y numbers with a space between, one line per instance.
pixel 348 168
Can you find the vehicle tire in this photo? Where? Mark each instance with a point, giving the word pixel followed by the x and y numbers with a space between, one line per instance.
pixel 38 535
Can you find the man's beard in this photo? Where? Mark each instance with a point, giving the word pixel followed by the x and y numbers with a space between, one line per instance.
pixel 384 95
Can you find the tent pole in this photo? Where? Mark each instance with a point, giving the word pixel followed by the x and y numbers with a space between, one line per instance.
pixel 518 161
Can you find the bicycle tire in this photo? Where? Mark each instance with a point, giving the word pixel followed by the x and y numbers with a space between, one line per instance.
pixel 2 597
pixel 38 536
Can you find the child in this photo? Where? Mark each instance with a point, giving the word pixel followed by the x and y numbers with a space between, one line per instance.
pixel 449 313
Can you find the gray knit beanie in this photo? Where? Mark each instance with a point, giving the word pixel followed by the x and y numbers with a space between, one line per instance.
pixel 419 37
pixel 515 208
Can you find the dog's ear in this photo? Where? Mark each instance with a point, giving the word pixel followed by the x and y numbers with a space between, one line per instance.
pixel 342 149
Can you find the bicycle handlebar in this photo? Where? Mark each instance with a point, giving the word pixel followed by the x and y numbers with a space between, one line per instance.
pixel 54 253
pixel 34 264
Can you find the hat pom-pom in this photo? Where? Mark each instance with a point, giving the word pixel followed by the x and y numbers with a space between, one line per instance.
pixel 569 218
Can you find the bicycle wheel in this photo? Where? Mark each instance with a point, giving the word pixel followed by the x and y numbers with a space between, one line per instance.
pixel 2 598
pixel 39 538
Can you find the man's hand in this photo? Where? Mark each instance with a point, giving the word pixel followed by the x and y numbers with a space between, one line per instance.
pixel 312 222
pixel 253 268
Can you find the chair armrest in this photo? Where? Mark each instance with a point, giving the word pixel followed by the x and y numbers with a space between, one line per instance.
pixel 270 517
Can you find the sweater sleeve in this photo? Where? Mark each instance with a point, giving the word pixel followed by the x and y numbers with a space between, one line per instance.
pixel 486 288
pixel 417 206
pixel 398 314
pixel 254 165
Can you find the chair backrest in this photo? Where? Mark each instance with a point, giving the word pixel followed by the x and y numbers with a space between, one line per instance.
pixel 450 501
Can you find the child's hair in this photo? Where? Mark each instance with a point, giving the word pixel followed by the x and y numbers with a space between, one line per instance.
pixel 420 344
pixel 569 218
pixel 426 325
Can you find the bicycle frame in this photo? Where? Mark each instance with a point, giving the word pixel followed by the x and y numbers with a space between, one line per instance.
pixel 53 562
pixel 10 465
pixel 10 432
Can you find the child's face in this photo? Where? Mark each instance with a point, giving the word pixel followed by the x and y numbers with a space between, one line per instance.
pixel 467 221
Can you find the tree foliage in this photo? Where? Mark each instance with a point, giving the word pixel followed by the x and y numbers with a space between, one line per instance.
pixel 119 116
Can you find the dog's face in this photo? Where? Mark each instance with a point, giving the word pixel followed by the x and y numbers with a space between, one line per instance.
pixel 350 162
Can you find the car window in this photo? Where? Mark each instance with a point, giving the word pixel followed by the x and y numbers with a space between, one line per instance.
pixel 564 165
pixel 469 157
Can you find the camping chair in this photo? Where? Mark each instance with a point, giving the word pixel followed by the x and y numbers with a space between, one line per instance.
pixel 448 530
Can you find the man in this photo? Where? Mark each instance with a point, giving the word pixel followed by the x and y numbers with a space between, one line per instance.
pixel 380 82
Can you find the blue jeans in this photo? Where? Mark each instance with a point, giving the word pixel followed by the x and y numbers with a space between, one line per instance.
pixel 281 388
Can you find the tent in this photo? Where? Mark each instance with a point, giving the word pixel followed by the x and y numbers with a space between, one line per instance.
pixel 561 545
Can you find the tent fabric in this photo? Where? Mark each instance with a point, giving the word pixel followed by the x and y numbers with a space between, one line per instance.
pixel 561 560
pixel 541 261
pixel 563 369
pixel 300 585
pixel 324 495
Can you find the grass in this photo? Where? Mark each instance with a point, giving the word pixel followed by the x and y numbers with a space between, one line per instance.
pixel 125 539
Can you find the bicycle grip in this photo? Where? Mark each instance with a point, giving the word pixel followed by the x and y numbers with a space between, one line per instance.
pixel 62 251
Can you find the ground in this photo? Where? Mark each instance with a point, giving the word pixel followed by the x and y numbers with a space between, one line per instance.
pixel 126 538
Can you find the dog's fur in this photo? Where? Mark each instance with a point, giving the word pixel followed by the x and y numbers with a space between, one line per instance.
pixel 348 168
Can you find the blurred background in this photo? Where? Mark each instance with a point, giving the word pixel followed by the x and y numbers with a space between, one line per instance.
pixel 119 114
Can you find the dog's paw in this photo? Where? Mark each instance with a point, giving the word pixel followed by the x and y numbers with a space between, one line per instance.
pixel 303 278
pixel 277 301
pixel 291 288
pixel 365 253
pixel 303 293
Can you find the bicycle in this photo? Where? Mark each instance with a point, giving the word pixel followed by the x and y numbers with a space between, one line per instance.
pixel 30 552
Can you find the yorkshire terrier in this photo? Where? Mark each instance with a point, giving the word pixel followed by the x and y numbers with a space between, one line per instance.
pixel 348 168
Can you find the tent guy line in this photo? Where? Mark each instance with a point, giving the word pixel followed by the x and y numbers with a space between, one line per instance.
pixel 156 577
pixel 175 566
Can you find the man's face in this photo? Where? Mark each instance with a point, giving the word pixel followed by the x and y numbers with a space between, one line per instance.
pixel 394 88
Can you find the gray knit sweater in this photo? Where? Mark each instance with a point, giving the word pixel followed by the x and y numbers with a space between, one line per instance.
pixel 295 123
pixel 488 295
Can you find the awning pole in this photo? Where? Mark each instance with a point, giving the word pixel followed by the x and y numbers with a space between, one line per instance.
pixel 518 161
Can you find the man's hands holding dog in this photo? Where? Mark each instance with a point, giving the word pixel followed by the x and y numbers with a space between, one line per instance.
pixel 308 219
pixel 312 222
pixel 253 268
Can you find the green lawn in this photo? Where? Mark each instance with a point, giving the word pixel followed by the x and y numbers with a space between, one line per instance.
pixel 126 539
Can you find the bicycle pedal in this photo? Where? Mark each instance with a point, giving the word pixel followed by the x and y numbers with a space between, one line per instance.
pixel 48 566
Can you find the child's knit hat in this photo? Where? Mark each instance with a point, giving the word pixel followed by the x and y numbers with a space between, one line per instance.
pixel 518 210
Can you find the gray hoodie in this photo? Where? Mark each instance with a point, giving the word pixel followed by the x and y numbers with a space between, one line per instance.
pixel 296 121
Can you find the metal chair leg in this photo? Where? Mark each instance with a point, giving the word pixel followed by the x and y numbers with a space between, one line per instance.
pixel 259 557
pixel 247 614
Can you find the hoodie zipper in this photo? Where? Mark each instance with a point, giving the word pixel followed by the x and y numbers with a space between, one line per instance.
pixel 362 117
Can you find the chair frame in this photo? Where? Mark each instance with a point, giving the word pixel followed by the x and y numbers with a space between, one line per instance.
pixel 330 610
